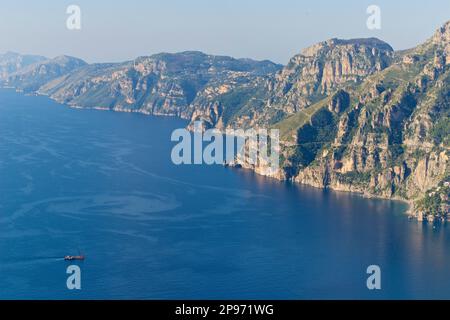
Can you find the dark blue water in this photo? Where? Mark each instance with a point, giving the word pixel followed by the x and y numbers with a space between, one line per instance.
pixel 103 183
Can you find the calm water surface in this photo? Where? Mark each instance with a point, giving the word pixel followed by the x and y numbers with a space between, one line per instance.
pixel 103 183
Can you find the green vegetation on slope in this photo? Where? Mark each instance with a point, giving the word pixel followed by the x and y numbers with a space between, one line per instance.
pixel 290 126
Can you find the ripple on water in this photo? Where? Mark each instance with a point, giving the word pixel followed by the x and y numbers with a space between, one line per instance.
pixel 136 206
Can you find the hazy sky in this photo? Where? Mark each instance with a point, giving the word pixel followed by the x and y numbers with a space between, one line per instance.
pixel 121 30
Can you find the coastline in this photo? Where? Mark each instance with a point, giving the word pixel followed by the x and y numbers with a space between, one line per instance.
pixel 410 212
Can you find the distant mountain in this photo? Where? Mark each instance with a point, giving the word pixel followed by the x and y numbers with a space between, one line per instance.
pixel 353 115
pixel 162 84
pixel 11 62
pixel 32 76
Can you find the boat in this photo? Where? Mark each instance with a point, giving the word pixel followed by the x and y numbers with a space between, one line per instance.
pixel 72 258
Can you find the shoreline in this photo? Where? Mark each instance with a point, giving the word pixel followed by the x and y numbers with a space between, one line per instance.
pixel 410 203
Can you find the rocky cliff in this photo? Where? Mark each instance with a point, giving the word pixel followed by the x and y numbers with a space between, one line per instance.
pixel 309 77
pixel 387 134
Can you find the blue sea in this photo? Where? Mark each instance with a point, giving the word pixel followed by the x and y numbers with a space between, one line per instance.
pixel 102 184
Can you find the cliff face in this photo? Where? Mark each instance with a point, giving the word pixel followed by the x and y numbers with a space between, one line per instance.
pixel 325 67
pixel 386 136
pixel 308 78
